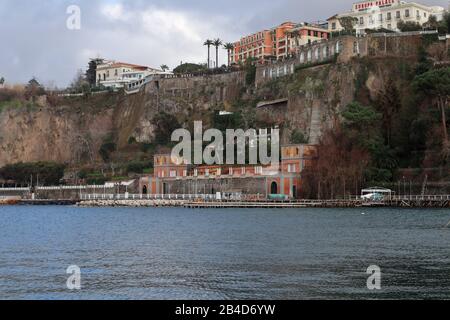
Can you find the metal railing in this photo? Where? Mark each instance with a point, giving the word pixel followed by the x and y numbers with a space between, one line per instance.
pixel 14 189
pixel 187 197
pixel 240 197
pixel 80 187
pixel 402 34
pixel 421 197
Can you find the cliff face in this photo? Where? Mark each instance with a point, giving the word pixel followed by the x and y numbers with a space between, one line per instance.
pixel 62 134
pixel 72 130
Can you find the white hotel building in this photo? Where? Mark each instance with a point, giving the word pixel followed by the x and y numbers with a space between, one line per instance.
pixel 385 14
pixel 119 74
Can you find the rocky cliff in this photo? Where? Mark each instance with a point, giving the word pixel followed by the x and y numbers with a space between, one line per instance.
pixel 72 130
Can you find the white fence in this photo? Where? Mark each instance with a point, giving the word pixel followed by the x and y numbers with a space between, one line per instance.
pixel 59 188
pixel 75 187
pixel 14 189
pixel 402 34
pixel 126 196
pixel 421 198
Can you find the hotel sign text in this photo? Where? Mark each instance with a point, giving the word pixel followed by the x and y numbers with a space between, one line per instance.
pixel 370 4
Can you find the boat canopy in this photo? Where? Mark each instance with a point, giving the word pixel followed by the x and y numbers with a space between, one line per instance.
pixel 377 190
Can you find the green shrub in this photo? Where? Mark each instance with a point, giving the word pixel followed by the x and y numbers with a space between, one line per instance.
pixel 298 137
pixel 138 166
pixel 107 148
pixel 48 173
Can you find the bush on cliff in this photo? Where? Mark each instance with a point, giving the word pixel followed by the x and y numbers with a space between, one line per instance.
pixel 138 166
pixel 190 68
pixel 107 148
pixel 165 124
pixel 298 137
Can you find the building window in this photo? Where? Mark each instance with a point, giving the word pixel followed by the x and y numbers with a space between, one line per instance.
pixel 397 14
pixel 309 58
pixel 380 17
pixel 173 173
pixel 389 16
pixel 333 26
pixel 407 13
pixel 291 168
pixel 302 57
pixel 116 72
pixel 361 20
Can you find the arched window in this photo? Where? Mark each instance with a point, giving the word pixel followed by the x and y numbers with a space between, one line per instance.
pixel 309 55
pixel 317 54
pixel 302 57
pixel 274 188
pixel 325 52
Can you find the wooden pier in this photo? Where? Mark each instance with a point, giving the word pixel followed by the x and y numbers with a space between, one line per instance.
pixel 435 201
pixel 274 204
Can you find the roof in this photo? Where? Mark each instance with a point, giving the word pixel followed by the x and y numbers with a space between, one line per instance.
pixel 118 64
pixel 332 17
pixel 377 190
pixel 130 65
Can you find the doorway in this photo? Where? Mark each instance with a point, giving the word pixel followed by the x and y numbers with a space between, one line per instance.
pixel 274 188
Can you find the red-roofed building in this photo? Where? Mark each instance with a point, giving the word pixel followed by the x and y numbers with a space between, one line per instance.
pixel 118 74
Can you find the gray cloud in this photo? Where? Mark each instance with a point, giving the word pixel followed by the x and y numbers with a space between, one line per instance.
pixel 35 41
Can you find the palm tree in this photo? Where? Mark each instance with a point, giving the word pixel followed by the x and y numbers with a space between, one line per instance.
pixel 164 67
pixel 217 43
pixel 208 43
pixel 229 47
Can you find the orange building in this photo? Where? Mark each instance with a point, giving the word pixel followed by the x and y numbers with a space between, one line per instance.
pixel 277 42
pixel 284 179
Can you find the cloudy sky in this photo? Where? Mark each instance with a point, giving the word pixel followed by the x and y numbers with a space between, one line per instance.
pixel 36 42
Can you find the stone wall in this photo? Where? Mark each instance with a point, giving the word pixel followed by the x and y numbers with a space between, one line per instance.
pixel 342 50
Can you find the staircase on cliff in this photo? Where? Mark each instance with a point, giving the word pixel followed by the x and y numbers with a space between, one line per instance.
pixel 315 128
